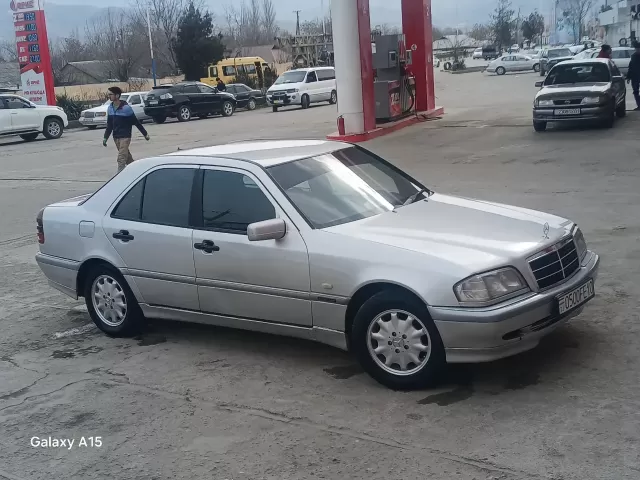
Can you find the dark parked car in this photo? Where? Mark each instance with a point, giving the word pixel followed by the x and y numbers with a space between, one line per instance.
pixel 580 90
pixel 246 96
pixel 187 99
pixel 553 56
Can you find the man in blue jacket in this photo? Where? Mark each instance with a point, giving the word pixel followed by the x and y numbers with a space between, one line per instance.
pixel 120 122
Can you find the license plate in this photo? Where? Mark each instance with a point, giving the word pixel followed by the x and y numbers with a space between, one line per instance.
pixel 153 102
pixel 568 111
pixel 278 101
pixel 575 298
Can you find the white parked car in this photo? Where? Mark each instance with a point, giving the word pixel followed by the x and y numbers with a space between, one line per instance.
pixel 513 63
pixel 478 53
pixel 303 87
pixel 621 56
pixel 93 118
pixel 19 116
pixel 318 240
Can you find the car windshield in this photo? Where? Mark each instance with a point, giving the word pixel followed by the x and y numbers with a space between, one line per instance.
pixel 578 73
pixel 124 97
pixel 344 186
pixel 291 77
pixel 561 52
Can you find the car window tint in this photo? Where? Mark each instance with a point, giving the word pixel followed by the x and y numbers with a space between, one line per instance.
pixel 250 69
pixel 232 201
pixel 229 71
pixel 129 207
pixel 242 88
pixel 15 103
pixel 231 89
pixel 311 77
pixel 167 194
pixel 135 100
pixel 205 89
pixel 190 89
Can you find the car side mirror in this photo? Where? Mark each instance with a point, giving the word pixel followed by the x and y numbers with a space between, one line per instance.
pixel 273 229
pixel 539 84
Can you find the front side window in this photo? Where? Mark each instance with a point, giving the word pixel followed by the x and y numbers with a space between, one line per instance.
pixel 344 186
pixel 14 103
pixel 205 89
pixel 135 100
pixel 232 201
pixel 162 197
pixel 311 77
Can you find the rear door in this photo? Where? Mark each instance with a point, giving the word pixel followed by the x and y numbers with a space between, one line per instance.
pixel 192 93
pixel 5 117
pixel 137 105
pixel 149 228
pixel 327 80
pixel 242 94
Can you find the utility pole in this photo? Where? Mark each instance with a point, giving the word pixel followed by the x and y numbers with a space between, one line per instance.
pixel 297 12
pixel 153 60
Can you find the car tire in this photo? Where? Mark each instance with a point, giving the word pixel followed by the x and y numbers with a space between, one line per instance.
pixel 92 127
pixel 53 128
pixel 184 113
pixel 500 71
pixel 540 126
pixel 159 120
pixel 111 303
pixel 373 321
pixel 305 101
pixel 334 98
pixel 251 104
pixel 275 109
pixel 621 111
pixel 29 137
pixel 610 121
pixel 536 67
pixel 227 108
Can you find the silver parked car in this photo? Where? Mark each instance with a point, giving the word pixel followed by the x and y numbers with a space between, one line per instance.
pixel 513 63
pixel 319 240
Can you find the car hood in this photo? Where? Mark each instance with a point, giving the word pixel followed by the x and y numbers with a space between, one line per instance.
pixel 283 86
pixel 462 230
pixel 558 59
pixel 582 88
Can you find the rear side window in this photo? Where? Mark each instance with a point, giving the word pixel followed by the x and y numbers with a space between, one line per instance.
pixel 326 74
pixel 162 197
pixel 190 89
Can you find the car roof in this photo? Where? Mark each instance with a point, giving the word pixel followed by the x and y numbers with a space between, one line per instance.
pixel 587 60
pixel 265 153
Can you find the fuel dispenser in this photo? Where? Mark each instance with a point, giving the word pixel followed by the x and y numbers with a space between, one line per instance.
pixel 394 88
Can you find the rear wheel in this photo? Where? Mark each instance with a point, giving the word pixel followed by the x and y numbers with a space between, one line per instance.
pixel 536 67
pixel 161 119
pixel 397 342
pixel 334 98
pixel 184 113
pixel 500 71
pixel 111 304
pixel 304 101
pixel 251 105
pixel 227 108
pixel 539 126
pixel 53 128
pixel 29 137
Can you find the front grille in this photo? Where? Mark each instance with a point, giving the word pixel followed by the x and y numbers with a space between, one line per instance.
pixel 555 264
pixel 88 114
pixel 572 101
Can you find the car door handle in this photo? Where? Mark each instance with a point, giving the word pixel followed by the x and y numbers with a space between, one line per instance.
pixel 123 235
pixel 207 246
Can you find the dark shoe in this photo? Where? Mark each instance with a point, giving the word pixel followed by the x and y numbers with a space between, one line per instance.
pixel 637 109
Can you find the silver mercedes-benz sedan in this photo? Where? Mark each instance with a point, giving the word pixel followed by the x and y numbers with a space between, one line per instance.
pixel 318 240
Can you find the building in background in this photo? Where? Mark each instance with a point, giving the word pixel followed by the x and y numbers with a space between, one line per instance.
pixel 620 21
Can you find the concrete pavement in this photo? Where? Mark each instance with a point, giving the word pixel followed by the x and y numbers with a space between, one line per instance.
pixel 190 402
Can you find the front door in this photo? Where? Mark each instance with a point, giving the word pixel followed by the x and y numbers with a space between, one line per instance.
pixel 23 115
pixel 209 99
pixel 267 280
pixel 5 117
pixel 312 86
pixel 137 105
pixel 149 228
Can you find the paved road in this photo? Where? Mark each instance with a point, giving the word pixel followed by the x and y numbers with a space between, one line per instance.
pixel 198 402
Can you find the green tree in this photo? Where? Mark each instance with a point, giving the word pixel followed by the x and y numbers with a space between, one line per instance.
pixel 502 23
pixel 533 26
pixel 195 45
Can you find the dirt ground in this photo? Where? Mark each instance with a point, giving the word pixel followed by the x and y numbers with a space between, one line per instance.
pixel 189 401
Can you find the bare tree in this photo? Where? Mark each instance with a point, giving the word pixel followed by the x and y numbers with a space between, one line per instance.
pixel 8 51
pixel 65 50
pixel 118 40
pixel 269 24
pixel 575 13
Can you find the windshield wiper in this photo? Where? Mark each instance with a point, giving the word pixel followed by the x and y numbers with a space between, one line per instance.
pixel 415 196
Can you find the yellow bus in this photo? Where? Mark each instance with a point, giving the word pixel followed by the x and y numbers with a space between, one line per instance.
pixel 230 68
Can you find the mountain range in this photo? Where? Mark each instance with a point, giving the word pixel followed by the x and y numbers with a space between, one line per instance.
pixel 65 16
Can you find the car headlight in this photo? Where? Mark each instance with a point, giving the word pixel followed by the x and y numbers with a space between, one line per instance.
pixel 292 90
pixel 581 244
pixel 486 287
pixel 590 100
pixel 545 103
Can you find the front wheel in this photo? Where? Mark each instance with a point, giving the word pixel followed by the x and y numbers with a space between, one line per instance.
pixel 184 113
pixel 53 128
pixel 397 342
pixel 29 137
pixel 334 98
pixel 540 126
pixel 227 109
pixel 304 101
pixel 500 71
pixel 111 304
pixel 536 67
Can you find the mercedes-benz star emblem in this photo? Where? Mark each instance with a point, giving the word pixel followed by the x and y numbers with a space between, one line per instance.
pixel 545 230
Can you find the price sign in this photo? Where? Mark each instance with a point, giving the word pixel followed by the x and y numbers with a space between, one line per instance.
pixel 30 17
pixel 30 27
pixel 34 58
pixel 32 37
pixel 34 48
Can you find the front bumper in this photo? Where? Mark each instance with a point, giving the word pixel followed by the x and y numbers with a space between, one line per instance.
pixel 96 121
pixel 596 112
pixel 61 273
pixel 473 335
pixel 283 99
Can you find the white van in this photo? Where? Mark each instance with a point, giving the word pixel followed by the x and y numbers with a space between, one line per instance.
pixel 303 86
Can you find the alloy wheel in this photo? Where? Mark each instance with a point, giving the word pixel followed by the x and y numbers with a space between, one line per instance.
pixel 109 300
